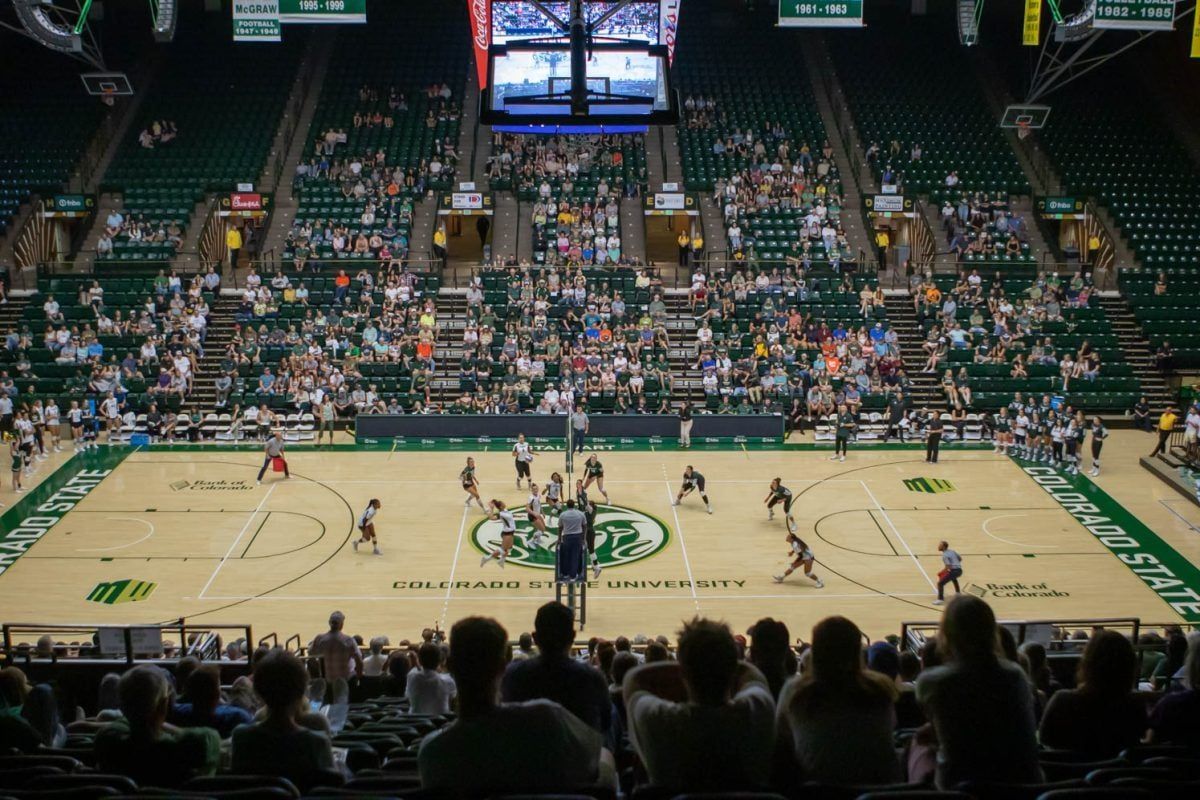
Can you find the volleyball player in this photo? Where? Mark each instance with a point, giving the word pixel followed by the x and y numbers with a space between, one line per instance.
pixel 1099 434
pixel 780 494
pixel 470 483
pixel 594 472
pixel 37 415
pixel 24 428
pixel 692 480
pixel 91 426
pixel 366 524
pixel 533 512
pixel 584 504
pixel 75 417
pixel 54 423
pixel 802 556
pixel 1020 431
pixel 553 492
pixel 1003 437
pixel 497 510
pixel 1071 446
pixel 18 462
pixel 523 456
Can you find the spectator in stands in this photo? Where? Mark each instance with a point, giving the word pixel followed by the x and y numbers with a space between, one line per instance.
pixel 837 720
pixel 705 721
pixel 554 675
pixel 1102 716
pixel 374 663
pixel 143 746
pixel 338 650
pixel 980 705
pixel 428 689
pixel 1176 717
pixel 16 733
pixel 488 747
pixel 277 744
pixel 203 707
pixel 770 653
pixel 1141 415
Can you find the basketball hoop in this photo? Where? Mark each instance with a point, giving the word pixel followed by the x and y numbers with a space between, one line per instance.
pixel 108 95
pixel 1022 129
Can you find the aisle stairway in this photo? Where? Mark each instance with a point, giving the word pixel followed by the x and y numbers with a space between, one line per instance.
pixel 903 318
pixel 220 331
pixel 1137 350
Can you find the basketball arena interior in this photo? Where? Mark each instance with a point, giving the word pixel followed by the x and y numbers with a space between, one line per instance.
pixel 568 399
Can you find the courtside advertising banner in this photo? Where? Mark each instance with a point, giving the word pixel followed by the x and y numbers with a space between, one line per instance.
pixel 668 28
pixel 481 36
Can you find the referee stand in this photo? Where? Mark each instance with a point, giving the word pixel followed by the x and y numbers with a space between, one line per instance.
pixel 574 589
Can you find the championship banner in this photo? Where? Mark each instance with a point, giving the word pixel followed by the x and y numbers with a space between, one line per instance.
pixel 668 27
pixel 1032 35
pixel 481 36
pixel 256 21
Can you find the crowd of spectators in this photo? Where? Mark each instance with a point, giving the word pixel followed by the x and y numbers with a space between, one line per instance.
pixel 780 175
pixel 136 228
pixel 562 337
pixel 1003 329
pixel 766 340
pixel 576 183
pixel 158 133
pixel 715 712
pixel 983 227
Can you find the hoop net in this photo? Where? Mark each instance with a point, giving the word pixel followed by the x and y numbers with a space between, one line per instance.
pixel 1022 129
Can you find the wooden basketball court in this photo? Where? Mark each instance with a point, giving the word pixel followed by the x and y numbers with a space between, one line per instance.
pixel 131 536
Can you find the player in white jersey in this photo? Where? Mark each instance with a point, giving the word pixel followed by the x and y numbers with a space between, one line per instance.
pixel 553 493
pixel 497 510
pixel 37 415
pixel 110 410
pixel 366 524
pixel 523 457
pixel 25 435
pixel 801 556
pixel 75 417
pixel 1020 429
pixel 533 511
pixel 54 423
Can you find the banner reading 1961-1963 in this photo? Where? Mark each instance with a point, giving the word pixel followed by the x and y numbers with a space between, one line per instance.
pixel 821 13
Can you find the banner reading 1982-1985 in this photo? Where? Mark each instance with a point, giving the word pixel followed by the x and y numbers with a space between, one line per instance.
pixel 1135 15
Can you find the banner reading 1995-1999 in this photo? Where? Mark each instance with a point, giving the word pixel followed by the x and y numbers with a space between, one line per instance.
pixel 821 13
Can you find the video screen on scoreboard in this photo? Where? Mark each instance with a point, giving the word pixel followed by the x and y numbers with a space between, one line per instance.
pixel 518 74
pixel 513 20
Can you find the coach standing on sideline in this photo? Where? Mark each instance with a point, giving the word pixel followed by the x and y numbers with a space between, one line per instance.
pixel 933 438
pixel 951 571
pixel 580 425
pixel 272 450
pixel 1166 424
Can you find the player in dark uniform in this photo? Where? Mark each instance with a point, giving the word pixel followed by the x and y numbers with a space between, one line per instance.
pixel 470 483
pixel 802 556
pixel 780 494
pixel 584 504
pixel 692 481
pixel 90 425
pixel 1099 434
pixel 594 472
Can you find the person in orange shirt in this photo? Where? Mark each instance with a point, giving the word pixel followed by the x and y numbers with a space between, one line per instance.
pixel 341 286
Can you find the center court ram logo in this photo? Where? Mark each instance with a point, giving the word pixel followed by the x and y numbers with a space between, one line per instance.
pixel 623 536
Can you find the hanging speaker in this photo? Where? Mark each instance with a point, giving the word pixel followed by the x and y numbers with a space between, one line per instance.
pixel 35 16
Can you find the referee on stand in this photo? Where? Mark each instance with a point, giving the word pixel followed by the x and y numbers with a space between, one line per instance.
pixel 571 524
pixel 579 427
pixel 933 438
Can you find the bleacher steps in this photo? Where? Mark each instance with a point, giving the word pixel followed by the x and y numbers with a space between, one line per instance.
pixel 925 388
pixel 1136 349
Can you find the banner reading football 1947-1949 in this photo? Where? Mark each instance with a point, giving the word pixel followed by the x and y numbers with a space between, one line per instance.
pixel 256 21
pixel 1135 15
pixel 821 13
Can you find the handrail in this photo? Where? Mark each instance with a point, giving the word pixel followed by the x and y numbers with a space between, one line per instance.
pixel 1094 223
pixel 87 635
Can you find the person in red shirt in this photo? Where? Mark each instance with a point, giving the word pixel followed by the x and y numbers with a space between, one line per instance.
pixel 341 286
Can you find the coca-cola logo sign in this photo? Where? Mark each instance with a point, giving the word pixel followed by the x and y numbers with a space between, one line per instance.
pixel 481 21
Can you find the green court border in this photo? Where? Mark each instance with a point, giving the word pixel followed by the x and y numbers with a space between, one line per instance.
pixel 1164 570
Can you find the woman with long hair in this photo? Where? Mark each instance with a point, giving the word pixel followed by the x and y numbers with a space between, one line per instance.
pixel 837 720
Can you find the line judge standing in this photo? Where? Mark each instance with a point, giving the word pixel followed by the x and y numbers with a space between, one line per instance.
pixel 933 438
pixel 271 450
pixel 685 425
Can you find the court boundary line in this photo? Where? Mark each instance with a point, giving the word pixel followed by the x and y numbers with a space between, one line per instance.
pixel 236 541
pixel 462 527
pixel 687 563
pixel 799 595
pixel 896 531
